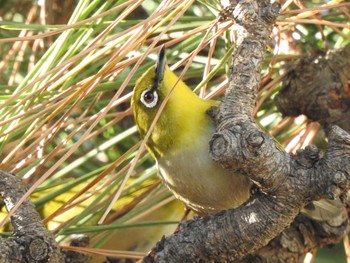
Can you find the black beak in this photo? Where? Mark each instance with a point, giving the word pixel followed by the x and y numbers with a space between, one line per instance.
pixel 160 66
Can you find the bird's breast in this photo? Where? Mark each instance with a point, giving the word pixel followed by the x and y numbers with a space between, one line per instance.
pixel 199 182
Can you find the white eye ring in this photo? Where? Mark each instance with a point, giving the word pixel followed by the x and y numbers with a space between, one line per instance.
pixel 149 98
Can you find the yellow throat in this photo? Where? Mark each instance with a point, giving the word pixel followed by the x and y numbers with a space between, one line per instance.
pixel 179 142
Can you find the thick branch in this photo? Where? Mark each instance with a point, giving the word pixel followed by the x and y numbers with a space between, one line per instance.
pixel 294 242
pixel 318 87
pixel 30 241
pixel 222 236
pixel 254 22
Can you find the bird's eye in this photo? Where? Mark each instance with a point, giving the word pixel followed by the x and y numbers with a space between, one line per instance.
pixel 149 98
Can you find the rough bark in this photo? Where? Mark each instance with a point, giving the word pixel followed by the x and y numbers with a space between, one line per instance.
pixel 30 241
pixel 304 235
pixel 286 182
pixel 323 83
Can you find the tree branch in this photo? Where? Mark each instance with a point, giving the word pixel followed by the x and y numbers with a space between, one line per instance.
pixel 323 83
pixel 30 241
pixel 304 235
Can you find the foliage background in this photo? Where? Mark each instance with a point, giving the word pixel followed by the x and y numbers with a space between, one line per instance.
pixel 67 69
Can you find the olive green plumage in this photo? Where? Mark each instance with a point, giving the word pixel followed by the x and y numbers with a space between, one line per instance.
pixel 179 142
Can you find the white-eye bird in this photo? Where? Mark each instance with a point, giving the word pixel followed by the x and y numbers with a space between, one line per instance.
pixel 179 142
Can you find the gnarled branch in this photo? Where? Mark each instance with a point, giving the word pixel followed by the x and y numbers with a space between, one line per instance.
pixel 30 241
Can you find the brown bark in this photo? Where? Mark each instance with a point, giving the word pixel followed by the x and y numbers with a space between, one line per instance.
pixel 302 236
pixel 30 241
pixel 323 83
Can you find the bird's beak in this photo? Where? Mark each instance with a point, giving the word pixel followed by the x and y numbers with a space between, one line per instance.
pixel 160 65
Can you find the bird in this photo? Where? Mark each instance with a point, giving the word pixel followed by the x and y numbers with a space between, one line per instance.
pixel 179 142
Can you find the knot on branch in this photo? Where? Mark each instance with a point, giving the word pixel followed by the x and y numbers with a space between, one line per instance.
pixel 237 144
pixel 38 249
pixel 255 139
pixel 308 157
pixel 218 145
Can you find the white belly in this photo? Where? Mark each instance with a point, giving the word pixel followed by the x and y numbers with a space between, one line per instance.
pixel 199 182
